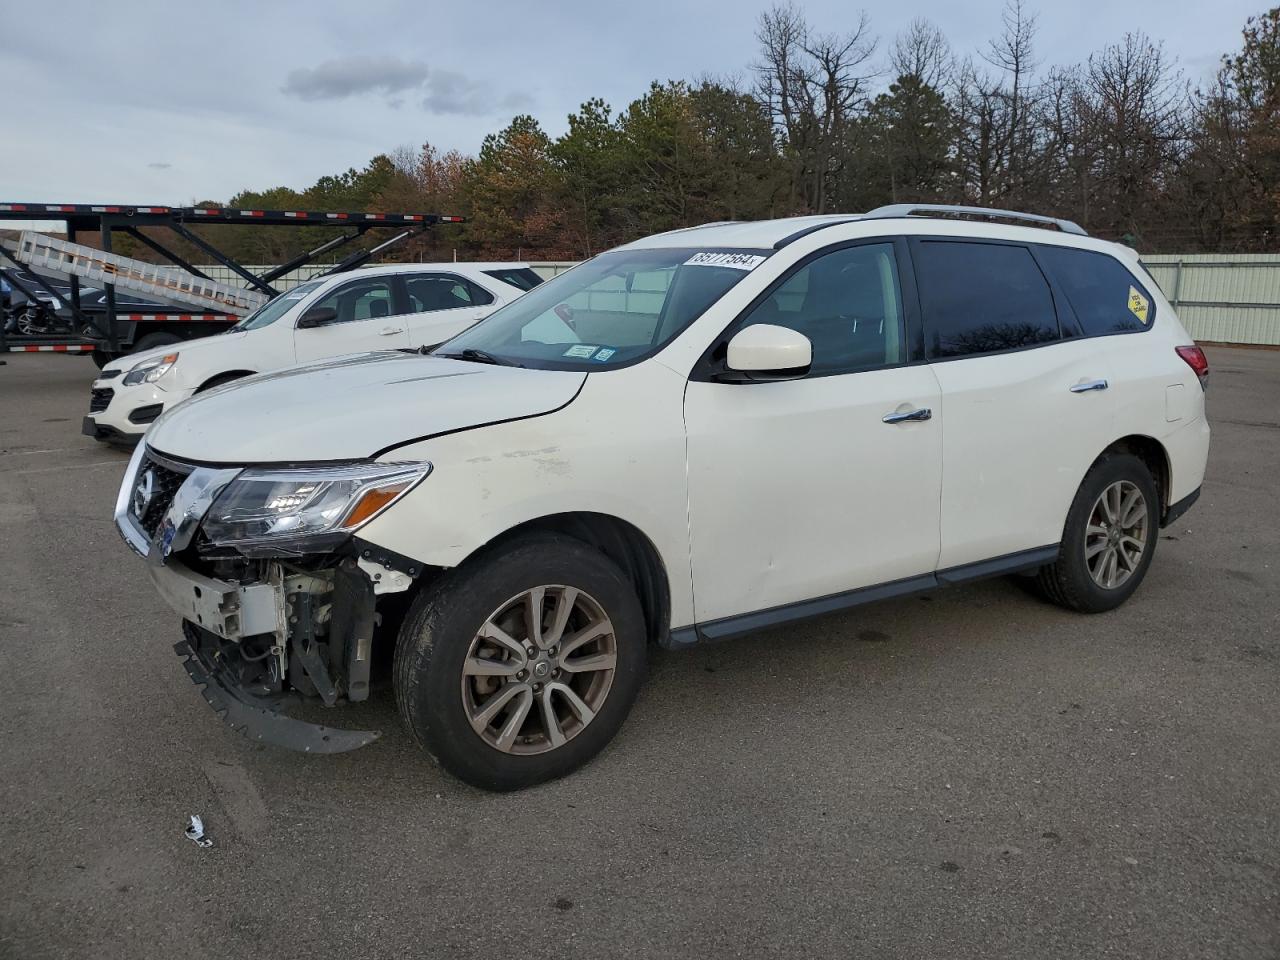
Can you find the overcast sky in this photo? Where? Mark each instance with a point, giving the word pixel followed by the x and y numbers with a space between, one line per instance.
pixel 170 103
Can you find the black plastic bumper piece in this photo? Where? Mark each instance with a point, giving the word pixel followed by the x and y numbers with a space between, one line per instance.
pixel 257 718
pixel 1182 506
pixel 108 434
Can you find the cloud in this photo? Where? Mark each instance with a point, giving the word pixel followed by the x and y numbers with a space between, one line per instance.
pixel 453 93
pixel 437 91
pixel 354 76
pixel 159 166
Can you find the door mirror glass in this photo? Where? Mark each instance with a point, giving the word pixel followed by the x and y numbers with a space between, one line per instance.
pixel 317 317
pixel 770 351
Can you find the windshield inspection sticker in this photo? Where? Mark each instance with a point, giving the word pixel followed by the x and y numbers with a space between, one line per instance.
pixel 583 350
pixel 1138 304
pixel 738 261
pixel 604 354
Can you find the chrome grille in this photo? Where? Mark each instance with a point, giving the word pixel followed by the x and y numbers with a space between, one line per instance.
pixel 155 496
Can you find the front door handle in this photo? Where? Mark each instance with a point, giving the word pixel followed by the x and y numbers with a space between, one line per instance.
pixel 390 331
pixel 1086 386
pixel 908 416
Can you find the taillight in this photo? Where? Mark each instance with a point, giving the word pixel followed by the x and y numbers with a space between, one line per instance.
pixel 1197 361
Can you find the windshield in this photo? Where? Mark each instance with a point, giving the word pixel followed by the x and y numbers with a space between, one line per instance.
pixel 610 311
pixel 274 309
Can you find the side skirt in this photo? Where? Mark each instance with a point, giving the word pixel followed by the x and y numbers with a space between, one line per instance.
pixel 728 628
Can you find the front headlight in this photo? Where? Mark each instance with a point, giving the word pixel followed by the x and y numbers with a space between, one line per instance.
pixel 149 371
pixel 305 509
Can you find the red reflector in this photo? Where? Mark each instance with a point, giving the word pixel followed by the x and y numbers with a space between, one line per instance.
pixel 1196 360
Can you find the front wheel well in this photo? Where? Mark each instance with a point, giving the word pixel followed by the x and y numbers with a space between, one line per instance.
pixel 219 379
pixel 621 542
pixel 1151 452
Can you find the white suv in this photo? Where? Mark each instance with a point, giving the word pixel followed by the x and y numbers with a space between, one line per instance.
pixel 694 436
pixel 400 306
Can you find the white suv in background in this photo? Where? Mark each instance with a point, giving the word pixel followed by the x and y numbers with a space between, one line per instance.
pixel 397 307
pixel 698 435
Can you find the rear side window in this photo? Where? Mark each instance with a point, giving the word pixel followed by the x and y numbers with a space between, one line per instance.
pixel 1105 296
pixel 982 298
pixel 523 277
pixel 441 291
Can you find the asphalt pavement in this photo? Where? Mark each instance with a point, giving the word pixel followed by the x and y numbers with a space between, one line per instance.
pixel 972 773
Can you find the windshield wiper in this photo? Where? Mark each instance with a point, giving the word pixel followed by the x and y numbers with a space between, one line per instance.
pixel 480 356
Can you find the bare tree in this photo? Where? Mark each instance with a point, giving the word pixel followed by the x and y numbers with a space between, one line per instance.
pixel 923 51
pixel 815 85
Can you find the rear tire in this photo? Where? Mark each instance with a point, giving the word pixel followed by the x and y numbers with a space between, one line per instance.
pixel 1109 538
pixel 485 708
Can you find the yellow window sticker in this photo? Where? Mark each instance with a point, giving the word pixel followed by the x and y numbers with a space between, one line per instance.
pixel 1138 304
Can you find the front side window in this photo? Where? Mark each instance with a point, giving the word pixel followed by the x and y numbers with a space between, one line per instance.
pixel 1105 296
pixel 274 309
pixel 610 311
pixel 440 291
pixel 982 298
pixel 848 303
pixel 361 300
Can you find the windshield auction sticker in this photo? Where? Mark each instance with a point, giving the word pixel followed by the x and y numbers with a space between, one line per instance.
pixel 737 261
pixel 582 350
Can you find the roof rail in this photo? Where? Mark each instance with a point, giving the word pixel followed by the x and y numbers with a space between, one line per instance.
pixel 977 213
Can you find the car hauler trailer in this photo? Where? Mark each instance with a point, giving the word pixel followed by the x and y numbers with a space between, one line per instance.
pixel 108 332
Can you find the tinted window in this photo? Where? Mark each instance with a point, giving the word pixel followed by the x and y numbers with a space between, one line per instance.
pixel 848 303
pixel 361 300
pixel 440 291
pixel 1105 296
pixel 982 297
pixel 523 277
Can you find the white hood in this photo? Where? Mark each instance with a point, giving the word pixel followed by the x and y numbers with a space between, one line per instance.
pixel 353 407
pixel 201 347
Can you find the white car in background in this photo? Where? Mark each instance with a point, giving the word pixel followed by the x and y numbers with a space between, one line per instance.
pixel 393 307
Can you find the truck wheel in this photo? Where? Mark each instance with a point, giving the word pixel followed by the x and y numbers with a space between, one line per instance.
pixel 521 665
pixel 153 340
pixel 102 357
pixel 1109 538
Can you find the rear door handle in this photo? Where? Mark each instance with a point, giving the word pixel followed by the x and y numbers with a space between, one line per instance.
pixel 908 416
pixel 390 331
pixel 1088 385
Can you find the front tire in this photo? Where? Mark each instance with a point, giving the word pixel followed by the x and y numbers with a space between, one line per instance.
pixel 521 665
pixel 1109 538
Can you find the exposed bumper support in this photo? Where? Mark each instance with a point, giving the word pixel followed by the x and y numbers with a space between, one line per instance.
pixel 258 718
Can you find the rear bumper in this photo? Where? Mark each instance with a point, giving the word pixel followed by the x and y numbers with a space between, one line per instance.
pixel 1176 510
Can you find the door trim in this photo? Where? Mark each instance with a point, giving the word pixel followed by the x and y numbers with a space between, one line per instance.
pixel 728 628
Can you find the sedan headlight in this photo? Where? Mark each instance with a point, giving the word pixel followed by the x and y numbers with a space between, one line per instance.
pixel 267 512
pixel 149 371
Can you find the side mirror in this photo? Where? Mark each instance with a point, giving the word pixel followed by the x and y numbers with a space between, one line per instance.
pixel 317 317
pixel 765 351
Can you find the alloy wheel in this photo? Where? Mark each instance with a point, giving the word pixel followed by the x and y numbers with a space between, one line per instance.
pixel 1116 535
pixel 539 669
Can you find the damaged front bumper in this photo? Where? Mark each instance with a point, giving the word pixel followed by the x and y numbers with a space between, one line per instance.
pixel 256 717
pixel 258 636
